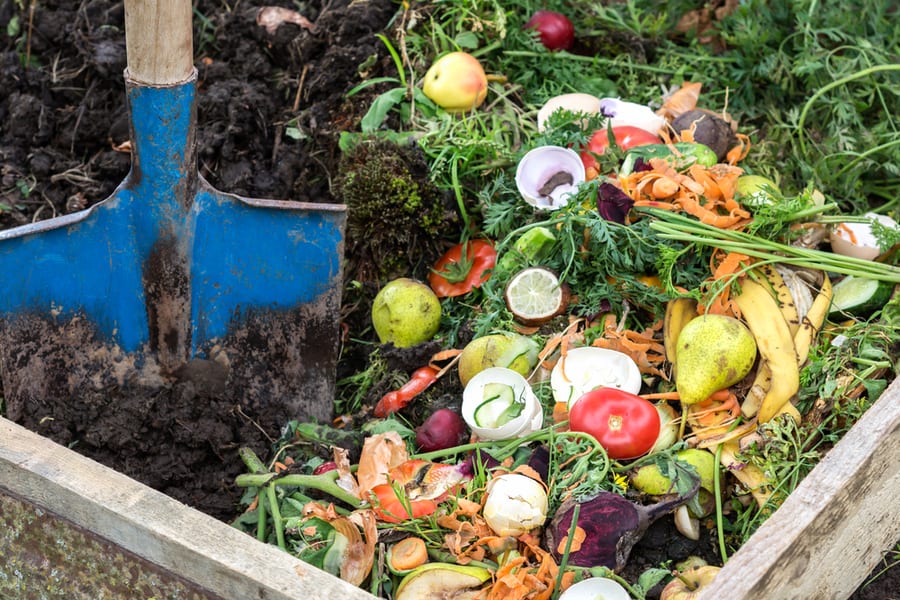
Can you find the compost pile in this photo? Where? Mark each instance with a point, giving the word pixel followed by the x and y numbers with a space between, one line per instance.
pixel 582 339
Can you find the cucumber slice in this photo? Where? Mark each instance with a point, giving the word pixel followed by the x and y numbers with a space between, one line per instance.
pixel 499 406
pixel 858 297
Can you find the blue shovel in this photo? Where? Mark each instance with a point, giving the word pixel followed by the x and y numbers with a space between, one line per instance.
pixel 168 283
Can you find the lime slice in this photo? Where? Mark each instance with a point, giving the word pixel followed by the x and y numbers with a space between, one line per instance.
pixel 498 406
pixel 535 296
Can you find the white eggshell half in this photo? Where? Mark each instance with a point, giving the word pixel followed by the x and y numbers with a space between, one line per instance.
pixel 576 103
pixel 587 368
pixel 596 587
pixel 531 419
pixel 857 240
pixel 538 166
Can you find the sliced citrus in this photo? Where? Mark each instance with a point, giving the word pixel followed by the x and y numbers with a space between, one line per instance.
pixel 535 295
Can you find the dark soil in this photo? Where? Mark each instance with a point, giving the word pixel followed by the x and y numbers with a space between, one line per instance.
pixel 63 122
pixel 271 107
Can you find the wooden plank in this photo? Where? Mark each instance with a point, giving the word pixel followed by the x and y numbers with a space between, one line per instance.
pixel 180 539
pixel 834 528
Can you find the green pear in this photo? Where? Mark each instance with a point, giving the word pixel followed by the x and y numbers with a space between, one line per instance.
pixel 712 353
pixel 406 312
pixel 650 480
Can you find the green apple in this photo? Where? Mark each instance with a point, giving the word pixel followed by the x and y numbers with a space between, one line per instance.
pixel 755 190
pixel 456 82
pixel 513 351
pixel 434 581
pixel 688 584
pixel 406 312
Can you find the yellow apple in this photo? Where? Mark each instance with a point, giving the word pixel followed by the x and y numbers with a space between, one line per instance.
pixel 688 584
pixel 456 82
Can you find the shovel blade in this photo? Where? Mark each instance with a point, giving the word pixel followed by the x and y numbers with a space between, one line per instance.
pixel 170 284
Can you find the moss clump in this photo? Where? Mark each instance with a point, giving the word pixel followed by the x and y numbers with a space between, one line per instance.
pixel 395 214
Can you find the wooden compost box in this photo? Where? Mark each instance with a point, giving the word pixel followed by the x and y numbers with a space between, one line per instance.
pixel 72 528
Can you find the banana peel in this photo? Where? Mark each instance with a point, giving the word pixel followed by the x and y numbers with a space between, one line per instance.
pixel 751 477
pixel 812 322
pixel 679 312
pixel 775 345
pixel 783 295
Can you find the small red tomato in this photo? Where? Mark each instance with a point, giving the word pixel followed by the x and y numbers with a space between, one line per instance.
pixel 462 268
pixel 626 137
pixel 624 423
pixel 555 29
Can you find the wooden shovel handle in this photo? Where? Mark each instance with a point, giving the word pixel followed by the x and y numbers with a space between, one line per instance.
pixel 159 41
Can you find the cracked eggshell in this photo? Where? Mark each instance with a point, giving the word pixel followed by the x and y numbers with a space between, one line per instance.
pixel 587 368
pixel 515 504
pixel 537 170
pixel 576 103
pixel 531 419
pixel 857 240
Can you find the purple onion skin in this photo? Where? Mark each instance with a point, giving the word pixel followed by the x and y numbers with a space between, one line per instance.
pixel 470 465
pixel 612 203
pixel 443 429
pixel 540 461
pixel 612 525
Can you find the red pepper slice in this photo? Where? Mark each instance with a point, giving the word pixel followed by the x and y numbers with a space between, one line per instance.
pixel 463 268
pixel 398 399
pixel 390 508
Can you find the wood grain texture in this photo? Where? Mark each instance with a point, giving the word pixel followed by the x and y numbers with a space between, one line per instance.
pixel 159 41
pixel 834 528
pixel 178 538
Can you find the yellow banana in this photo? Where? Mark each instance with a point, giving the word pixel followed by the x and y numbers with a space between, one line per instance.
pixel 813 321
pixel 782 294
pixel 679 312
pixel 725 434
pixel 774 343
pixel 751 477
pixel 790 409
pixel 799 288
pixel 761 385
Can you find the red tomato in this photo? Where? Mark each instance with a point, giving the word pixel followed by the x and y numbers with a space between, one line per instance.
pixel 463 268
pixel 625 424
pixel 626 137
pixel 389 508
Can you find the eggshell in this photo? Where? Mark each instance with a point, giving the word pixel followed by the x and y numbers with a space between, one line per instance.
pixel 577 103
pixel 531 419
pixel 621 112
pixel 538 166
pixel 595 587
pixel 587 368
pixel 861 243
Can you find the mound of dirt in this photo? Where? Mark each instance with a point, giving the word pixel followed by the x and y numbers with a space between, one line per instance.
pixel 271 105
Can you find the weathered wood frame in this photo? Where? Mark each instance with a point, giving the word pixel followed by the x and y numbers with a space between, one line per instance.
pixel 182 541
pixel 834 528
